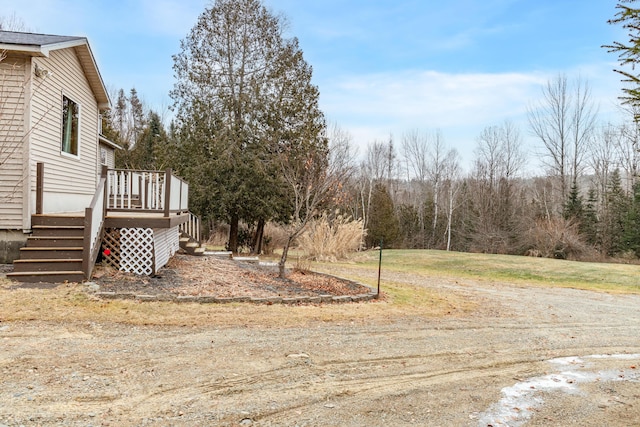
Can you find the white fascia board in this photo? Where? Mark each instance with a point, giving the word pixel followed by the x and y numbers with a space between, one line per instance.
pixel 33 50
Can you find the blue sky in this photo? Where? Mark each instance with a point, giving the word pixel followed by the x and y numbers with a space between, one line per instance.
pixel 384 67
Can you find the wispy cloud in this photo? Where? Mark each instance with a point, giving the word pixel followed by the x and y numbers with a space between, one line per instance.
pixel 374 106
pixel 430 97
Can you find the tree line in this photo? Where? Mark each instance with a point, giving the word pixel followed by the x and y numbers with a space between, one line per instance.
pixel 583 204
pixel 249 136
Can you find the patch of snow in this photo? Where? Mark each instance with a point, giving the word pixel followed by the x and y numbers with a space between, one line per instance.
pixel 268 263
pixel 520 400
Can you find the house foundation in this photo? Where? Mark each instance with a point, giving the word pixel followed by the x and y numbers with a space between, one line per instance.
pixel 10 243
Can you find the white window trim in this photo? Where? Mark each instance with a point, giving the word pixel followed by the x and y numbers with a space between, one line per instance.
pixel 62 152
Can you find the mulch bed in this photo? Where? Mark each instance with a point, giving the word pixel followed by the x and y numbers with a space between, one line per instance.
pixel 210 276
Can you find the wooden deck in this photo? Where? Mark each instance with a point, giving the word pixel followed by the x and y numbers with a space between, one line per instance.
pixel 132 219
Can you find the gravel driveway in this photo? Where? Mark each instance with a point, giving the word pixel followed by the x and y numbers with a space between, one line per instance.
pixel 526 356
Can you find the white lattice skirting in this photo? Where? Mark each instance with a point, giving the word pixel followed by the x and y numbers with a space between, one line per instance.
pixel 144 251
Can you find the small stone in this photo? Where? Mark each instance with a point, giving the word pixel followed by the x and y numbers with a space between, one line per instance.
pixel 298 356
pixel 330 405
pixel 92 286
pixel 246 422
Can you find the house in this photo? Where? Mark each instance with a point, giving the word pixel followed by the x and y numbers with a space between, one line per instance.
pixel 61 200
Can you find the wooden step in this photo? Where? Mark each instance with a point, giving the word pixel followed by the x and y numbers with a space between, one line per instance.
pixel 54 241
pixel 47 276
pixel 58 230
pixel 53 252
pixel 47 265
pixel 59 220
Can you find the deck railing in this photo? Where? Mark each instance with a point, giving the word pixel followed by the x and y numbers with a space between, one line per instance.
pixel 192 228
pixel 146 191
pixel 93 226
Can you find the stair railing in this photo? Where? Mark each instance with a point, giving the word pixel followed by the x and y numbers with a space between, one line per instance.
pixel 192 228
pixel 94 226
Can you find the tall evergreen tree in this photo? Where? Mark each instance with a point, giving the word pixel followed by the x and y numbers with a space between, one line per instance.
pixel 138 121
pixel 242 93
pixel 629 51
pixel 617 206
pixel 149 152
pixel 383 224
pixel 573 209
pixel 590 224
pixel 631 235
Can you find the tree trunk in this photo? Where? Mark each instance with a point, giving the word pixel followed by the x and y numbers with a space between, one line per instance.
pixel 233 233
pixel 256 247
pixel 283 259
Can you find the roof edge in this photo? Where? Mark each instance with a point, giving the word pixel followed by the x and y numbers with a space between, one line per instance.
pixel 64 45
pixel 103 139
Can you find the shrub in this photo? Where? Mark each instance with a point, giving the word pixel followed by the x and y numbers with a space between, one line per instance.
pixel 274 237
pixel 558 238
pixel 218 235
pixel 330 239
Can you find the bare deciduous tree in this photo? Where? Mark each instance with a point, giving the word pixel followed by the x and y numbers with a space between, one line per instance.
pixel 564 122
pixel 11 143
pixel 13 23
pixel 452 185
pixel 12 134
pixel 628 145
pixel 499 160
pixel 439 159
pixel 314 177
pixel 604 151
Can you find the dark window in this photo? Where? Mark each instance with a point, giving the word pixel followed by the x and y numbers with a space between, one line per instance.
pixel 70 126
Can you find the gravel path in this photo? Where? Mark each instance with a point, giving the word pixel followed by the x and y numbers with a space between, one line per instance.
pixel 528 356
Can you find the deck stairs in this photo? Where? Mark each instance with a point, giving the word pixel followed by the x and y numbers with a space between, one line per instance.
pixel 53 252
pixel 190 245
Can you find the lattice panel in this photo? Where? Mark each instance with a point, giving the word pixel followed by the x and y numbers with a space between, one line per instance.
pixel 136 245
pixel 111 242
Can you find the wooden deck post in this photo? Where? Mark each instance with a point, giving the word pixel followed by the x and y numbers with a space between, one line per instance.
pixel 167 192
pixel 39 187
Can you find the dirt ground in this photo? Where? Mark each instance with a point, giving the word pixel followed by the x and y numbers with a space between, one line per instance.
pixel 212 276
pixel 523 356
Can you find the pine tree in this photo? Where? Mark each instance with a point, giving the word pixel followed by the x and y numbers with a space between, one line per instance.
pixel 632 224
pixel 138 121
pixel 383 224
pixel 629 52
pixel 120 117
pixel 149 151
pixel 573 209
pixel 243 96
pixel 617 206
pixel 589 225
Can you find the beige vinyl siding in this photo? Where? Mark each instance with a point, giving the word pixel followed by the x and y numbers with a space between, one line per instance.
pixel 166 242
pixel 12 136
pixel 110 160
pixel 64 174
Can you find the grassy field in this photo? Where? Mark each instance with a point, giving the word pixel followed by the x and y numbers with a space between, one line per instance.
pixel 71 301
pixel 609 277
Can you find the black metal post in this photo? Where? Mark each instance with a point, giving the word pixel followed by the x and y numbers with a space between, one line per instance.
pixel 379 268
